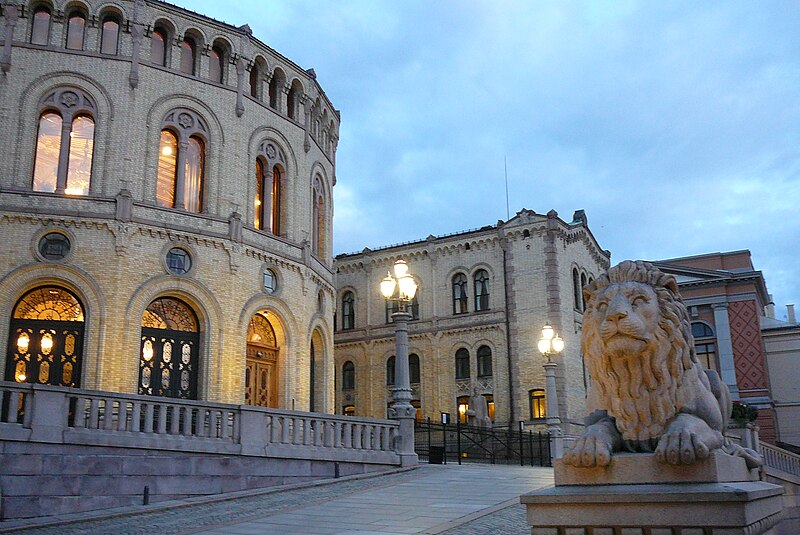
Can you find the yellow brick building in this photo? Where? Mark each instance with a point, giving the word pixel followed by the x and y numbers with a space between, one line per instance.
pixel 165 206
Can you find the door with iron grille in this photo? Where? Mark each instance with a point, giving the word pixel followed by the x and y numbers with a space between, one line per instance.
pixel 169 353
pixel 45 343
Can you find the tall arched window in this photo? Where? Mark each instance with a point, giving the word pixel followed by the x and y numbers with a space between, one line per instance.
pixel 484 361
pixel 348 376
pixel 481 290
pixel 76 24
pixel 109 39
pixel 158 46
pixel 460 294
pixel 259 203
pixel 46 338
pixel 275 88
pixel 169 355
pixel 188 53
pixel 577 291
pixel 269 202
pixel 40 26
pixel 181 161
pixel 277 200
pixel 254 77
pixel 583 285
pixel 216 64
pixel 65 143
pixel 413 369
pixel 462 364
pixel 318 217
pixel 348 311
pixel 293 99
pixel 390 370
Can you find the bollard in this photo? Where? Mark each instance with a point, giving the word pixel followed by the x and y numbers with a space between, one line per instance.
pixel 146 497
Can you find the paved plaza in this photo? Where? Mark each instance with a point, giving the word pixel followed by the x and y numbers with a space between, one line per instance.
pixel 466 500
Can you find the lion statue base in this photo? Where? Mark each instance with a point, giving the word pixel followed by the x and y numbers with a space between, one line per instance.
pixel 648 391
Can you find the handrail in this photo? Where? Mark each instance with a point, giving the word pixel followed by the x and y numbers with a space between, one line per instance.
pixel 780 459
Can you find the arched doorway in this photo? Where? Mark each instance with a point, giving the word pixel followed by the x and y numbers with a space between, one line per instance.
pixel 261 374
pixel 45 343
pixel 168 357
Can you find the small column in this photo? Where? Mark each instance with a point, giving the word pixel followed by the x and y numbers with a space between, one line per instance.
pixel 180 182
pixel 63 154
pixel 266 214
pixel 307 109
pixel 240 70
pixel 727 368
pixel 402 409
pixel 137 32
pixel 10 14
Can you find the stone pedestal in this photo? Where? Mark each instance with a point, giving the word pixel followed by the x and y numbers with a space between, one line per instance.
pixel 637 495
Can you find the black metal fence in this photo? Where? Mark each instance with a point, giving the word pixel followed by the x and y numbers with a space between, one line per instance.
pixel 437 443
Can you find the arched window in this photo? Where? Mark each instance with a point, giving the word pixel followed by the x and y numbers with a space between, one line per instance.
pixel 390 371
pixel 393 305
pixel 76 25
pixel 537 404
pixel 462 406
pixel 705 345
pixel 460 294
pixel 169 356
pixel 577 291
pixel 254 78
pixel 188 53
pixel 583 285
pixel 348 311
pixel 46 338
pixel 65 143
pixel 413 369
pixel 484 361
pixel 109 40
pixel 489 406
pixel 216 64
pixel 348 376
pixel 181 161
pixel 269 199
pixel 481 290
pixel 158 46
pixel 293 99
pixel 275 88
pixel 40 26
pixel 462 364
pixel 318 217
pixel 277 200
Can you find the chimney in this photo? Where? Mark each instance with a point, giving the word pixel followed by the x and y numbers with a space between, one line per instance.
pixel 790 311
pixel 769 308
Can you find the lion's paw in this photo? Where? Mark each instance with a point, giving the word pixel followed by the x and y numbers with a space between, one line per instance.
pixel 681 447
pixel 589 451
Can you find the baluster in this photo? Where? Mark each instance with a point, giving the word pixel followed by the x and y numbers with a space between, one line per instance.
pixel 186 413
pixel 358 436
pixel 307 439
pixel 162 419
pixel 337 434
pixel 122 416
pixel 224 427
pixel 212 423
pixel 296 438
pixel 236 436
pixel 201 423
pixel 94 413
pixel 319 433
pixel 173 415
pixel 108 413
pixel 136 415
pixel 385 445
pixel 148 418
pixel 284 429
pixel 274 432
pixel 13 407
pixel 348 434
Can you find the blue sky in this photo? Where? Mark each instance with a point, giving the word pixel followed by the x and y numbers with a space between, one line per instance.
pixel 675 125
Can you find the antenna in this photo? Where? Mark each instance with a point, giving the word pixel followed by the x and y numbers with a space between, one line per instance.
pixel 505 168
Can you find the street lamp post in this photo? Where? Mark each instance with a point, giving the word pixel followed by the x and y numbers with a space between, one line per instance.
pixel 401 288
pixel 551 344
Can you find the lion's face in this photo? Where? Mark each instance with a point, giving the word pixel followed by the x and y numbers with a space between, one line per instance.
pixel 625 317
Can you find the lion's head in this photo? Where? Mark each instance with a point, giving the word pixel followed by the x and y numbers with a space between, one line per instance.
pixel 638 346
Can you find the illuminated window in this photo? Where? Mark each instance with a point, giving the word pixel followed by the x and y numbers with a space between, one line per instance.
pixel 349 410
pixel 490 405
pixel 178 261
pixel 537 404
pixel 109 39
pixel 460 293
pixel 462 364
pixel 348 375
pixel 417 405
pixel 481 290
pixel 462 406
pixel 318 217
pixel 484 361
pixel 181 162
pixel 158 46
pixel 67 120
pixel 348 311
pixel 40 26
pixel 54 246
pixel 76 26
pixel 277 200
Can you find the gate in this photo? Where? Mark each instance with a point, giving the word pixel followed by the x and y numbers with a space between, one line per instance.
pixel 436 443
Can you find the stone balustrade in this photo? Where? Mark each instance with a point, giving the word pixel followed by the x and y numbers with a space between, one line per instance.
pixel 72 416
pixel 780 459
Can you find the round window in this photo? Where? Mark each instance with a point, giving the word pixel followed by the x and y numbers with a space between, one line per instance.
pixel 178 261
pixel 270 281
pixel 54 246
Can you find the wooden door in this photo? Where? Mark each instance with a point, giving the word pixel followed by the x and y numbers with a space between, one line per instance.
pixel 261 377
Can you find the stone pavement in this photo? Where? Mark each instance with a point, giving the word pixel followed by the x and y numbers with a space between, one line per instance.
pixel 470 499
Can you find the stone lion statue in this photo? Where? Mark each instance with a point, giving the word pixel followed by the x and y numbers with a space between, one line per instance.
pixel 649 392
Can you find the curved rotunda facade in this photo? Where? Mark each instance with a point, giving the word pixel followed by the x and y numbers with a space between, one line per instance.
pixel 165 207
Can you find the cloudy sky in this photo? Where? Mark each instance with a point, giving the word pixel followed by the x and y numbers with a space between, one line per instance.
pixel 675 125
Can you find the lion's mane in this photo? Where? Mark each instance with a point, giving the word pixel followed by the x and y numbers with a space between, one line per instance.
pixel 644 391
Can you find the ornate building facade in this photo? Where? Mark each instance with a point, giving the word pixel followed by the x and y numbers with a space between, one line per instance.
pixel 483 298
pixel 165 204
